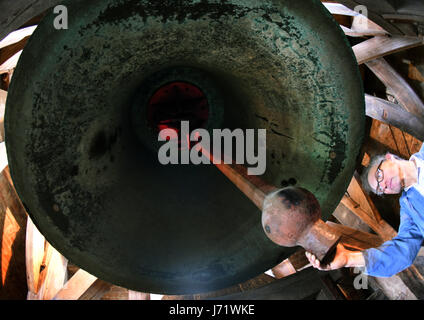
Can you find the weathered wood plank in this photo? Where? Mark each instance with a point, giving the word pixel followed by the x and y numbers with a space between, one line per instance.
pixel 401 90
pixel 380 46
pixel 13 222
pixel 361 24
pixel 96 291
pixel 53 277
pixel 116 293
pixel 10 64
pixel 394 115
pixel 357 194
pixel 301 285
pixel 414 73
pixel 376 17
pixel 135 295
pixel 3 98
pixel 283 269
pixel 34 254
pixel 381 141
pixel 381 228
pixel 17 36
pixel 7 52
pixel 14 14
pixel 74 288
pixel 362 33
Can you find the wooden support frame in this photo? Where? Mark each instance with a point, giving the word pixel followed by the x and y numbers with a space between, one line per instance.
pixel 361 26
pixel 7 52
pixel 393 114
pixel 135 295
pixel 17 36
pixel 33 256
pixel 361 33
pixel 75 287
pixel 380 46
pixel 359 203
pixel 53 277
pixel 401 90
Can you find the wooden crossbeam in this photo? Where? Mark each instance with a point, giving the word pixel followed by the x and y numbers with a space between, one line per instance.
pixel 10 64
pixel 367 27
pixel 394 115
pixel 96 291
pixel 380 46
pixel 7 52
pixel 361 25
pixel 53 277
pixel 135 295
pixel 382 228
pixel 34 254
pixel 400 89
pixel 16 36
pixel 362 32
pixel 75 287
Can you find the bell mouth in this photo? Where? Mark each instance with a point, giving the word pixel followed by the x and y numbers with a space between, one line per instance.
pixel 176 102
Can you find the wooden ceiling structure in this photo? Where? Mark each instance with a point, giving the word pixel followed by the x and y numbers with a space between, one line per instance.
pixel 32 269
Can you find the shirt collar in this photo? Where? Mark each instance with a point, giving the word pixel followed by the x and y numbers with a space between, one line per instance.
pixel 419 163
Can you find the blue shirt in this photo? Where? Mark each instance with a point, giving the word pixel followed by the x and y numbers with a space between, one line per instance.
pixel 399 253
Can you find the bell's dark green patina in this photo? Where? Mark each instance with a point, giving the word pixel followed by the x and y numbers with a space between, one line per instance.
pixel 94 186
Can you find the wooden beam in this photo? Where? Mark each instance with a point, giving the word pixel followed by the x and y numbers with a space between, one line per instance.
pixel 16 36
pixel 394 115
pixel 10 64
pixel 377 18
pixel 3 98
pixel 362 33
pixel 18 12
pixel 283 269
pixel 408 18
pixel 53 277
pixel 361 24
pixel 135 295
pixel 75 287
pixel 381 46
pixel 414 73
pixel 338 8
pixel 382 228
pixel 34 254
pixel 96 291
pixel 13 222
pixel 7 52
pixel 400 89
pixel 357 194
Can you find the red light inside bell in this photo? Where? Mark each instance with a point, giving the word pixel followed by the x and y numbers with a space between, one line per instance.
pixel 176 102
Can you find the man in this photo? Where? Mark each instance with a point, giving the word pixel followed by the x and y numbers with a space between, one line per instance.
pixel 390 175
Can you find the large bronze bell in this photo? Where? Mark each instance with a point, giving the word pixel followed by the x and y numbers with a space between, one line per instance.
pixel 81 132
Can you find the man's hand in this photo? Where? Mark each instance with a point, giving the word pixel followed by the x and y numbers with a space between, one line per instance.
pixel 342 258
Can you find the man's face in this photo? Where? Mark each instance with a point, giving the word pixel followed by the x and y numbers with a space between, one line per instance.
pixel 389 175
